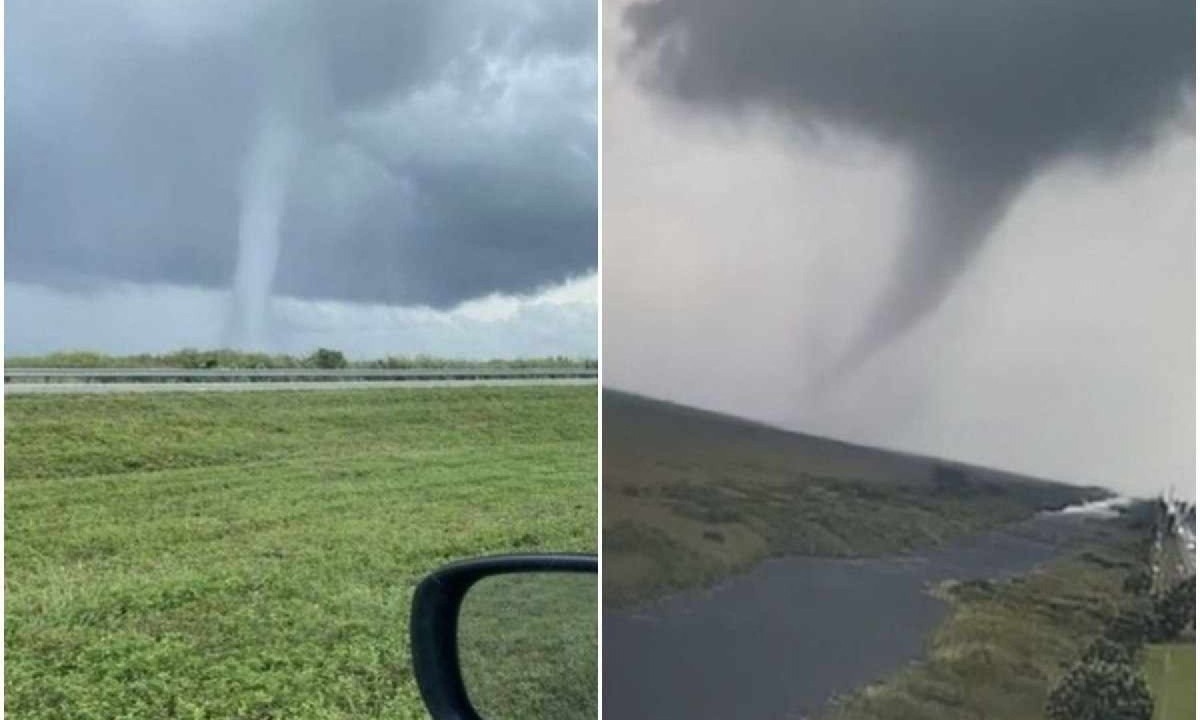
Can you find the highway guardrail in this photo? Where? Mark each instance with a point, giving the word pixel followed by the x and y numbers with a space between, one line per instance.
pixel 166 375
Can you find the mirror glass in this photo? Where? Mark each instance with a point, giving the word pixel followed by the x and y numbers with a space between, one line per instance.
pixel 527 645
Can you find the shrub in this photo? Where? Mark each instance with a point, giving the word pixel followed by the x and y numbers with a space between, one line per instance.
pixel 1138 582
pixel 1104 650
pixel 1131 628
pixel 1098 690
pixel 1175 610
pixel 327 359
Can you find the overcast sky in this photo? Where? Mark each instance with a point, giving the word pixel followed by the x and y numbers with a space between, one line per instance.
pixel 259 164
pixel 964 229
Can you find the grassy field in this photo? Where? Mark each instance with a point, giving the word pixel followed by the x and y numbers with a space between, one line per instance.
pixel 1171 674
pixel 690 497
pixel 253 555
pixel 1005 644
pixel 529 646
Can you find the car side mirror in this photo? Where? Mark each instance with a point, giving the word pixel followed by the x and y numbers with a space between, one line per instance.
pixel 508 637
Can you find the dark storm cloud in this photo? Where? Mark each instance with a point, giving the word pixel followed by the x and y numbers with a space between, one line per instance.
pixel 447 149
pixel 981 94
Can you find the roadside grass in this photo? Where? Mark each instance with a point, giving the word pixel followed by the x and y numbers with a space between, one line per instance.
pixel 1005 643
pixel 691 497
pixel 1171 673
pixel 253 555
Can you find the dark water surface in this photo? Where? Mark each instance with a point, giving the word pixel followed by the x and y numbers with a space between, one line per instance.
pixel 782 639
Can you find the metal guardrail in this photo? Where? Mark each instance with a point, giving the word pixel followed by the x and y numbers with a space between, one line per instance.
pixel 165 375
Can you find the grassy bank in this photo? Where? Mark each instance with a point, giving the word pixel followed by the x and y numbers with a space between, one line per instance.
pixel 690 497
pixel 1171 673
pixel 253 555
pixel 1005 644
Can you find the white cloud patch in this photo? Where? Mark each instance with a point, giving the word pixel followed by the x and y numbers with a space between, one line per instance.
pixel 132 318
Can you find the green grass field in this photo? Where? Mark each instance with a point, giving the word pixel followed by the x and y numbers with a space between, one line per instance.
pixel 529 646
pixel 253 555
pixel 1005 644
pixel 1171 673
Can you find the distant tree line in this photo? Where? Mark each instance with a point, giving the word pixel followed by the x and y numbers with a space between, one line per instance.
pixel 193 359
pixel 950 480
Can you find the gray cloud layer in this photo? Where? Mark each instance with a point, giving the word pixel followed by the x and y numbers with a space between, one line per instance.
pixel 447 150
pixel 980 95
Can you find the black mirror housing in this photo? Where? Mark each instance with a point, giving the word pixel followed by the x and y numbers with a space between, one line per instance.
pixel 433 622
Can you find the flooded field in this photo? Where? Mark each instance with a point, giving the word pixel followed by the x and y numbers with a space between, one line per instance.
pixel 782 639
